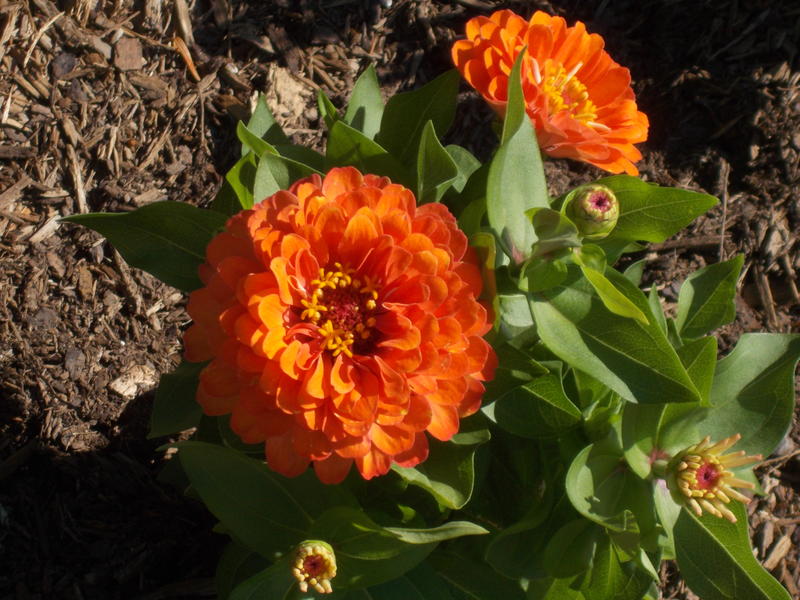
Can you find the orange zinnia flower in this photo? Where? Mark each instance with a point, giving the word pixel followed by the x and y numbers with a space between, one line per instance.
pixel 341 322
pixel 579 100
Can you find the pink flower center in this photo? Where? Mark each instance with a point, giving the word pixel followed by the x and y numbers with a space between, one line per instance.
pixel 314 565
pixel 600 201
pixel 707 476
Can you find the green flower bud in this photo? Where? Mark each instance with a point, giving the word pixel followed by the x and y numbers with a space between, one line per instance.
pixel 594 210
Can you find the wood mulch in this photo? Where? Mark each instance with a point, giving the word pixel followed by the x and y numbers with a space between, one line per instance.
pixel 107 106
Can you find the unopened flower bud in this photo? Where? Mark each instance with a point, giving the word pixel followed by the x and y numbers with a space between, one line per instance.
pixel 594 210
pixel 701 476
pixel 314 565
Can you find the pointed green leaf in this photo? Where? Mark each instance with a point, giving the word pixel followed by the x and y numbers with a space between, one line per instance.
pixel 436 170
pixel 715 558
pixel 249 500
pixel 166 239
pixel 612 577
pixel 448 531
pixel 251 142
pixel 612 298
pixel 467 164
pixel 651 213
pixel 242 178
pixel 365 108
pixel 753 392
pixel 263 125
pixel 175 407
pixel 537 409
pixel 634 360
pixel 327 110
pixel 264 183
pixel 706 298
pixel 348 146
pixel 405 115
pixel 516 177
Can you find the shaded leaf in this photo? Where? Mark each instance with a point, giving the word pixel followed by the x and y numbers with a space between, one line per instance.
pixel 175 407
pixel 166 239
pixel 406 114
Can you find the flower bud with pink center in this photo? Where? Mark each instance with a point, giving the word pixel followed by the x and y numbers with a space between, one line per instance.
pixel 594 210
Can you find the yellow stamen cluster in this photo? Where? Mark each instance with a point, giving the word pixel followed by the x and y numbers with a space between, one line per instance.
pixel 346 301
pixel 703 476
pixel 565 92
pixel 315 566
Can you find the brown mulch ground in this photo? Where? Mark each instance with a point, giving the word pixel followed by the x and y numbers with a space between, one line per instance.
pixel 99 112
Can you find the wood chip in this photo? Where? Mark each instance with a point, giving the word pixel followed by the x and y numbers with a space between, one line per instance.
pixel 45 231
pixel 12 194
pixel 778 552
pixel 128 54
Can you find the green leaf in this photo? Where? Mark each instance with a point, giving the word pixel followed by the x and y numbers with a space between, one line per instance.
pixel 516 177
pixel 280 174
pixel 537 409
pixel 466 163
pixel 542 274
pixel 603 489
pixel 166 239
pixel 715 558
pixel 275 583
pixel 476 579
pixel 706 298
pixel 555 233
pixel 753 392
pixel 513 314
pixel 449 472
pixel 406 114
pixel 236 564
pixel 651 213
pixel 263 125
pixel 552 588
pixel 634 360
pixel 656 309
pixel 635 271
pixel 348 146
pixel 436 170
pixel 365 108
pixel 700 359
pixel 242 179
pixel 421 583
pixel 264 184
pixel 327 110
pixel 265 511
pixel 226 201
pixel 303 156
pixel 251 142
pixel 366 553
pixel 448 531
pixel 612 298
pixel 612 577
pixel 570 551
pixel 175 407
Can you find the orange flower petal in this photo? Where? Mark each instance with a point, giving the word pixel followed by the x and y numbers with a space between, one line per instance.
pixel 343 322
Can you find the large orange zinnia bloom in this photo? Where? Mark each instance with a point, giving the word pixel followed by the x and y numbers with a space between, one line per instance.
pixel 579 100
pixel 341 322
